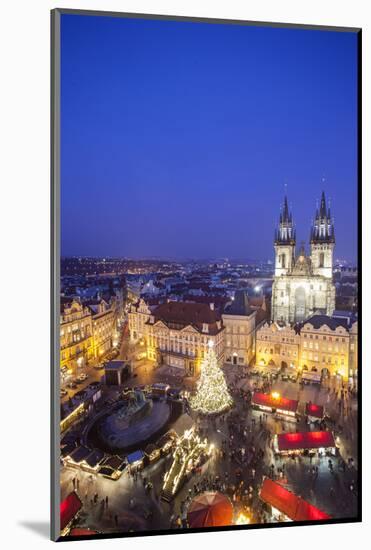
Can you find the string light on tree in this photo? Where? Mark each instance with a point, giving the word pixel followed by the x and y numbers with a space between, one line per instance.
pixel 212 395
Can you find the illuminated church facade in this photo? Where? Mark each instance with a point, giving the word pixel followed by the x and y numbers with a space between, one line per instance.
pixel 303 284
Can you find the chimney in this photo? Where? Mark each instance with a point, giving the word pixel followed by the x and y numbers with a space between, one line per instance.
pixel 212 307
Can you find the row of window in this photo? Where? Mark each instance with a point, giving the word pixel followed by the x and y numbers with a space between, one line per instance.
pixel 288 353
pixel 329 359
pixel 233 329
pixel 324 347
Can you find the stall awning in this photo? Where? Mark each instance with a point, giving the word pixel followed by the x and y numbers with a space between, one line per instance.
pixel 70 506
pixel 275 402
pixel 80 453
pixel 135 457
pixel 288 503
pixel 210 509
pixel 80 532
pixel 113 462
pixel 314 410
pixel 305 440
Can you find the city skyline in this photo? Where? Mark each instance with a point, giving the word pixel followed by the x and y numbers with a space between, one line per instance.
pixel 184 152
pixel 209 297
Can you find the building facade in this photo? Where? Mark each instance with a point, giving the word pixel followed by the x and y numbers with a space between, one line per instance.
pixel 277 346
pixel 303 285
pixel 239 334
pixel 327 345
pixel 103 322
pixel 87 332
pixel 76 336
pixel 177 335
pixel 138 316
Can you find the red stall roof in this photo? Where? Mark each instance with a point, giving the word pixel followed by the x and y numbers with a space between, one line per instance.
pixel 314 410
pixel 305 440
pixel 82 532
pixel 69 508
pixel 288 503
pixel 268 400
pixel 210 509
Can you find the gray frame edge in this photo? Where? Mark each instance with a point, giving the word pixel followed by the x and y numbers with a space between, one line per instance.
pixel 55 273
pixel 195 19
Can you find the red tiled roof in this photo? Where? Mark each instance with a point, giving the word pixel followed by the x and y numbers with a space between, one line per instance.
pixel 218 301
pixel 256 301
pixel 289 504
pixel 188 313
pixel 70 506
pixel 261 316
pixel 282 403
pixel 305 440
pixel 314 410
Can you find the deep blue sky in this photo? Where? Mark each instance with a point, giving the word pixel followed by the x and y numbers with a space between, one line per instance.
pixel 178 137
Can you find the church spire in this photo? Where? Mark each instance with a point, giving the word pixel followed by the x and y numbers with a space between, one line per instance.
pixel 322 230
pixel 285 233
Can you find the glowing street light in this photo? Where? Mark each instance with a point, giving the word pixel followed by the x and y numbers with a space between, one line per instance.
pixel 242 519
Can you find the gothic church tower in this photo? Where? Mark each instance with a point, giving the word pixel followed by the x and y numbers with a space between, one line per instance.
pixel 284 242
pixel 322 241
pixel 303 284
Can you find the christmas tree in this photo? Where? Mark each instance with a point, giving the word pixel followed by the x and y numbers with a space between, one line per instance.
pixel 212 395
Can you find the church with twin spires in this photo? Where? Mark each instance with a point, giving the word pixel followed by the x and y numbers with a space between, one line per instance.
pixel 303 284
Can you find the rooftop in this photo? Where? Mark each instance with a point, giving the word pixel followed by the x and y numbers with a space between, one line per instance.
pixel 188 313
pixel 317 321
pixel 275 402
pixel 240 304
pixel 305 440
pixel 294 507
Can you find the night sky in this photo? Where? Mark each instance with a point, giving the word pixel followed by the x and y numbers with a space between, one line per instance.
pixel 178 137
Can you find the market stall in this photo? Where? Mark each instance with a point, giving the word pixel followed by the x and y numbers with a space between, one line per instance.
pixel 301 442
pixel 112 467
pixel 135 460
pixel 152 453
pixel 286 506
pixel 69 508
pixel 314 413
pixel 210 509
pixel 275 403
pixel 92 462
pixel 76 456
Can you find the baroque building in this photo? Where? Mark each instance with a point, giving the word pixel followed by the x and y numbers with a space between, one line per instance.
pixel 303 284
pixel 177 334
pixel 323 344
pixel 103 323
pixel 76 335
pixel 239 321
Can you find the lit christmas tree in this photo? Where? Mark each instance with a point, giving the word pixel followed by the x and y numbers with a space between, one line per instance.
pixel 212 395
